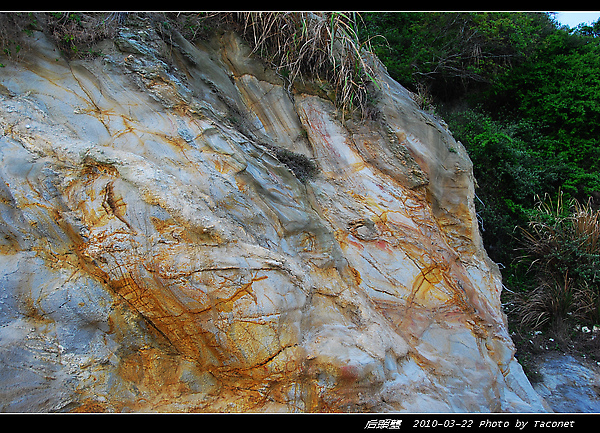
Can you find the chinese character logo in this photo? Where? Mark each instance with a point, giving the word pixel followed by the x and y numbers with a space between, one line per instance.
pixel 384 424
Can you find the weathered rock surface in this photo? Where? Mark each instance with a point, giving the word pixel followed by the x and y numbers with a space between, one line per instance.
pixel 158 254
pixel 568 384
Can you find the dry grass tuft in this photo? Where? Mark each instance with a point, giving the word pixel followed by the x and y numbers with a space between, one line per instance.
pixel 562 249
pixel 322 45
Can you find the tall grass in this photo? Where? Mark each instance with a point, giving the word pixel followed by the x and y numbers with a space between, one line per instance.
pixel 322 45
pixel 561 246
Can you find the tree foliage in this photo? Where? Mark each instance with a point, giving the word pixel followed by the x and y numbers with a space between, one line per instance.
pixel 452 53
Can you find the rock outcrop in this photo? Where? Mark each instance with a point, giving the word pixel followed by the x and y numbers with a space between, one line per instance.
pixel 181 231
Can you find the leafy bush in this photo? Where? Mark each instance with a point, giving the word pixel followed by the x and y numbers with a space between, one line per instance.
pixel 559 87
pixel 303 167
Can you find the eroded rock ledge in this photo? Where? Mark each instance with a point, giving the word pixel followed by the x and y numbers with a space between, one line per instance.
pixel 158 255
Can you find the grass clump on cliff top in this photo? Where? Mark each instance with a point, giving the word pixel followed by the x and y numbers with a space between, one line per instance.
pixel 323 45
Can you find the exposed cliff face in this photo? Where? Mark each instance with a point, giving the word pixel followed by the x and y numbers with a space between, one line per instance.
pixel 162 248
